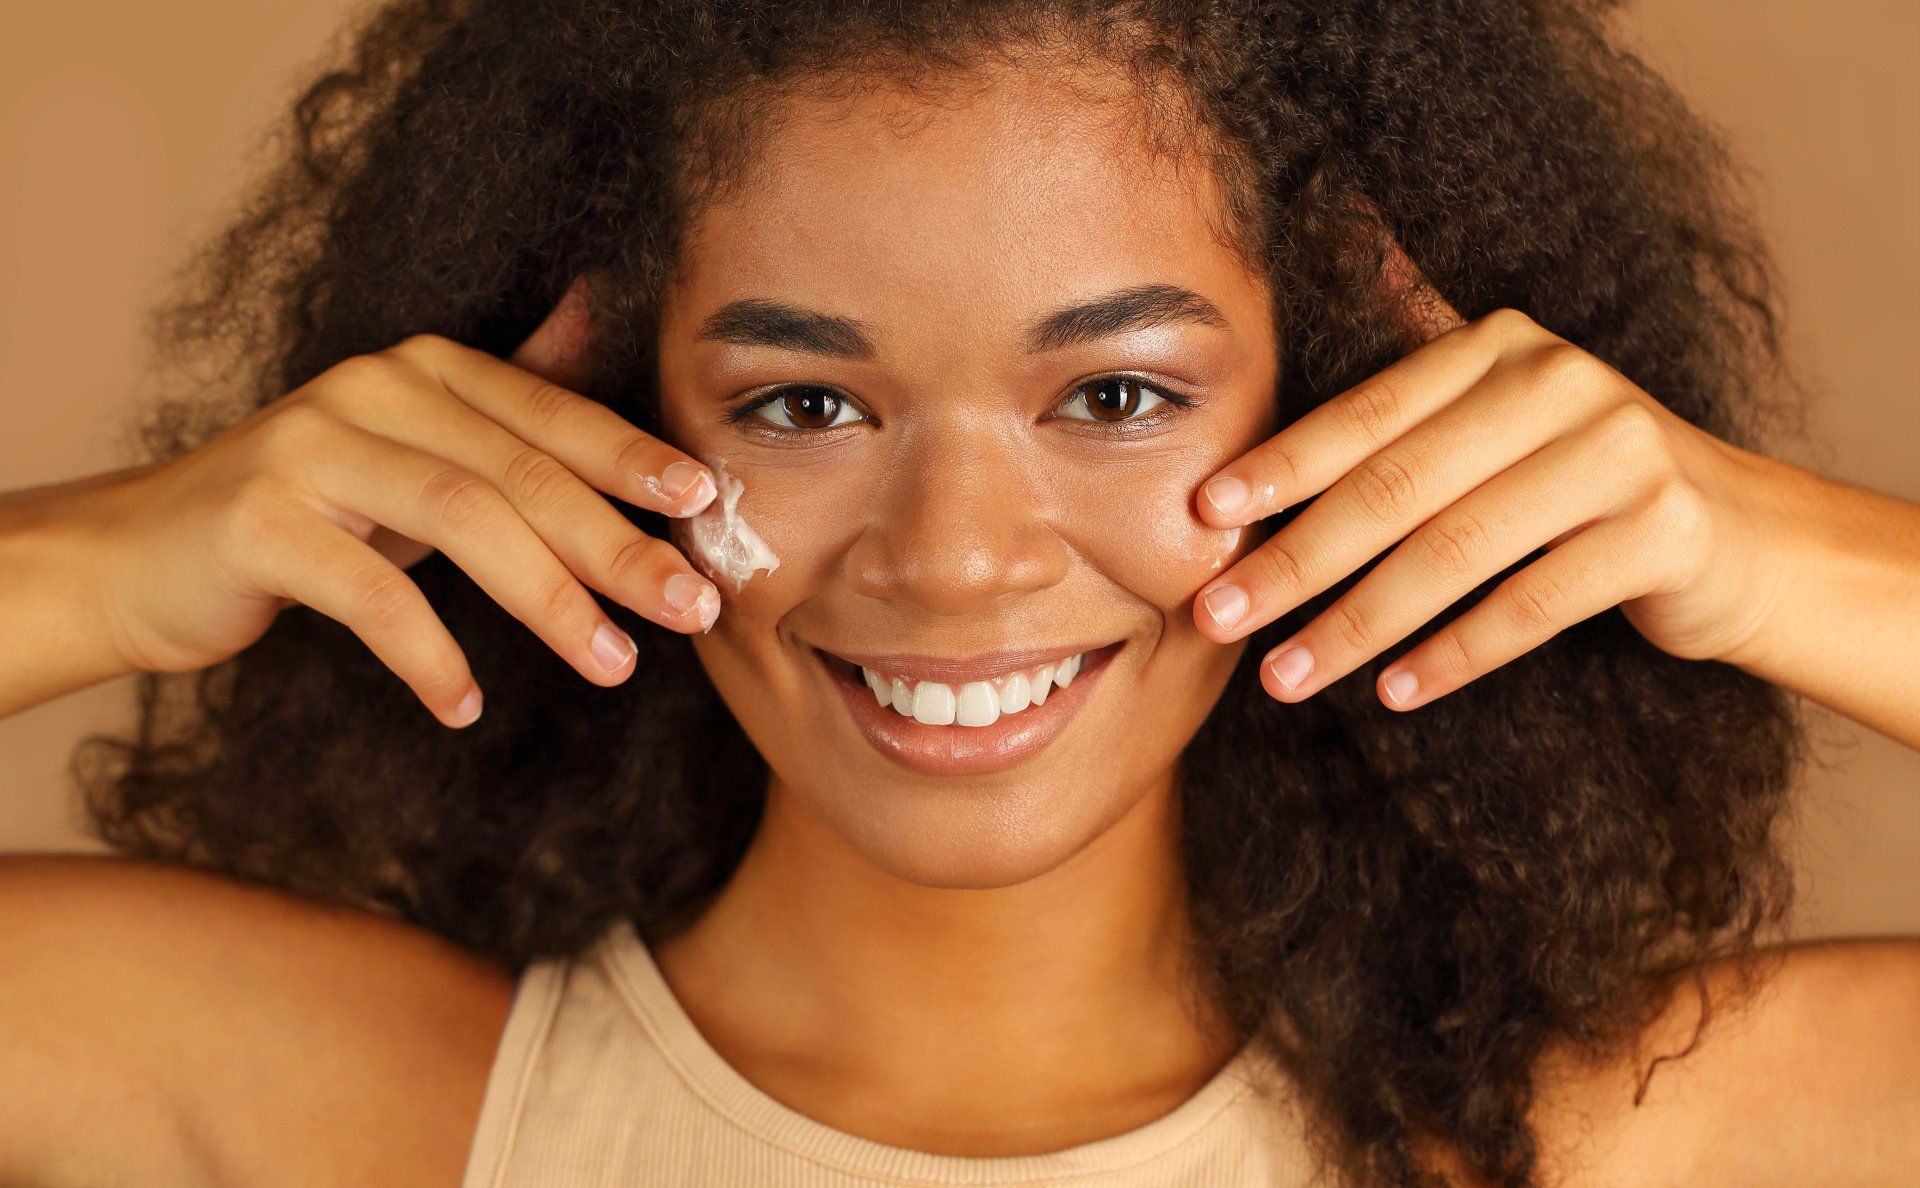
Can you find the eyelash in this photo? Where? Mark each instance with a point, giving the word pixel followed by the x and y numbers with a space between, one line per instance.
pixel 1175 401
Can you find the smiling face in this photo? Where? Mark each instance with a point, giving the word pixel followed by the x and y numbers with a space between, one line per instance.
pixel 970 364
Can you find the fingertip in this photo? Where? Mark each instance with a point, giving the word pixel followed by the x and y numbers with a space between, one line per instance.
pixel 1224 499
pixel 468 711
pixel 688 488
pixel 701 497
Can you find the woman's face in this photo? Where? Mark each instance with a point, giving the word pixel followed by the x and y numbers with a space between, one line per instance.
pixel 958 478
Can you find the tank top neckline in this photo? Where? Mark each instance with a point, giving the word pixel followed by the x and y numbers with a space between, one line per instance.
pixel 637 977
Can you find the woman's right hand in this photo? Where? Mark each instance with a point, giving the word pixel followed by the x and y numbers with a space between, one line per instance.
pixel 325 496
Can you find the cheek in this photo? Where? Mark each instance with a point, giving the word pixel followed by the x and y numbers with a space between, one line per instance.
pixel 1138 527
pixel 767 541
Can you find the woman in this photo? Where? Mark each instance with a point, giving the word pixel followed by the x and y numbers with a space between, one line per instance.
pixel 1015 400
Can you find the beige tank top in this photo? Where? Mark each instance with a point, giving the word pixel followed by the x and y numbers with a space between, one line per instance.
pixel 602 1081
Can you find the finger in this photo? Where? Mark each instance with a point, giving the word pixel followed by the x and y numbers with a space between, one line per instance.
pixel 1549 495
pixel 587 437
pixel 1589 573
pixel 464 516
pixel 1391 491
pixel 335 573
pixel 598 544
pixel 1329 440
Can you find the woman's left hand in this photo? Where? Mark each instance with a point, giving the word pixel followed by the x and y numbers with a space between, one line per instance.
pixel 1489 440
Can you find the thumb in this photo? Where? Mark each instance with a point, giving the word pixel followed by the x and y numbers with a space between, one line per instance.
pixel 556 350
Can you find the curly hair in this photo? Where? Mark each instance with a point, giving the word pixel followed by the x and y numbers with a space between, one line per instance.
pixel 1407 909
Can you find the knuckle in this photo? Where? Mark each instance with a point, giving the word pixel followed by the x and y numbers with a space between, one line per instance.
pixel 1534 604
pixel 1278 567
pixel 257 512
pixel 1278 458
pixel 1449 657
pixel 458 497
pixel 384 596
pixel 1387 485
pixel 1455 543
pixel 422 343
pixel 1508 322
pixel 1563 366
pixel 1351 625
pixel 558 599
pixel 547 404
pixel 638 454
pixel 1370 411
pixel 636 558
pixel 443 680
pixel 1678 511
pixel 535 479
pixel 295 429
pixel 1633 431
pixel 362 373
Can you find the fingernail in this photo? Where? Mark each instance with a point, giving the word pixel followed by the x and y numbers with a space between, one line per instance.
pixel 1401 685
pixel 468 711
pixel 681 478
pixel 684 590
pixel 612 647
pixel 1227 494
pixel 1290 666
pixel 1226 605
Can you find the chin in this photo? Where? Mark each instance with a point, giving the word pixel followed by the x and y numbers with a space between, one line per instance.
pixel 974 838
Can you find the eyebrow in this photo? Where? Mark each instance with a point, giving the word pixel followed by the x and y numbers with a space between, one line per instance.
pixel 759 321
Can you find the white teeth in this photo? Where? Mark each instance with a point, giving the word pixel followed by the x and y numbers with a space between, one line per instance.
pixel 976 703
pixel 933 703
pixel 1016 694
pixel 1042 684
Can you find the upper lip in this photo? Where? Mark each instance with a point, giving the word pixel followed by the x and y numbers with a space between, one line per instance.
pixel 957 670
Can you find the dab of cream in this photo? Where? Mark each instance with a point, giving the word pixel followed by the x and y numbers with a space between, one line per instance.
pixel 722 542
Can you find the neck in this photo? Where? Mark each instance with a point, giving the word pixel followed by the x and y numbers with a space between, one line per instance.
pixel 968 1021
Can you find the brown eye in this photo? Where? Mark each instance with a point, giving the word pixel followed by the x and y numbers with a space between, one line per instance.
pixel 1113 398
pixel 805 407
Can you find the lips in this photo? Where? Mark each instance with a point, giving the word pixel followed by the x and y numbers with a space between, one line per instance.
pixel 1008 740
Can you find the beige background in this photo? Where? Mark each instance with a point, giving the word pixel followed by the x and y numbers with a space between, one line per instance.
pixel 125 128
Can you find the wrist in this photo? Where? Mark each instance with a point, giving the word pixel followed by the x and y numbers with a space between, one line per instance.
pixel 1841 566
pixel 55 633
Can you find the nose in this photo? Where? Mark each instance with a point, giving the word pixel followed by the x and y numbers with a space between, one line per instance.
pixel 962 521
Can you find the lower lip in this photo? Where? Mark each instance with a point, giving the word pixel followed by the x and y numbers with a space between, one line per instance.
pixel 964 750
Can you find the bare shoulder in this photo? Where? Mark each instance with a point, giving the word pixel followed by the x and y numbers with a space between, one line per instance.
pixel 1813 1078
pixel 222 1024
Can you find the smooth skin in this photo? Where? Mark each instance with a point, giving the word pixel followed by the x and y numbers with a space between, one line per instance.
pixel 240 1036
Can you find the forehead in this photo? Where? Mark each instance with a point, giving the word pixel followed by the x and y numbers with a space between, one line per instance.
pixel 1006 189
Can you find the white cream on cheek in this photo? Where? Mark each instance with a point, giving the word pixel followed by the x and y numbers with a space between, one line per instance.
pixel 719 539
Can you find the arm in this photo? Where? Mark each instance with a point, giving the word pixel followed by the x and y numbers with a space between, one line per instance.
pixel 50 642
pixel 1845 627
pixel 164 1026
